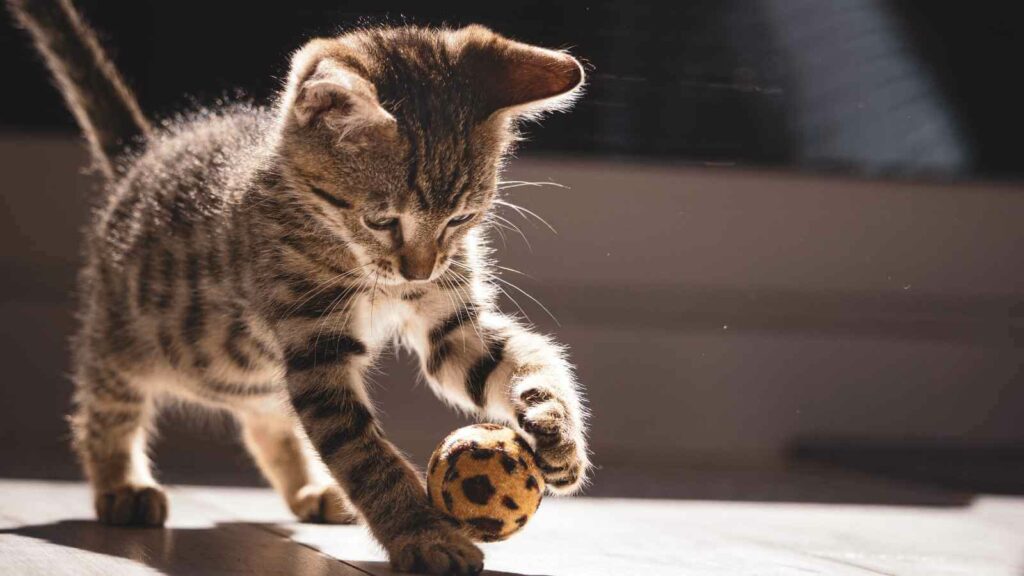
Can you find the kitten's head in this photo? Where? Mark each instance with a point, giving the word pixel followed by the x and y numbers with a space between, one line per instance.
pixel 392 139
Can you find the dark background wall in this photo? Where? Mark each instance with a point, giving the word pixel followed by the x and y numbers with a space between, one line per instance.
pixel 869 86
pixel 780 233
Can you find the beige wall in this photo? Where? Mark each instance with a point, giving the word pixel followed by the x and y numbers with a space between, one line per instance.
pixel 714 313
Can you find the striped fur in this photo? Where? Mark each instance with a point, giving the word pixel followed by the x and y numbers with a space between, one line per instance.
pixel 259 260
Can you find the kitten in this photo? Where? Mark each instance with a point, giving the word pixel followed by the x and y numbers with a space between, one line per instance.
pixel 259 260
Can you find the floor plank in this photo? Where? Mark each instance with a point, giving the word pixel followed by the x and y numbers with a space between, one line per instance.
pixel 45 529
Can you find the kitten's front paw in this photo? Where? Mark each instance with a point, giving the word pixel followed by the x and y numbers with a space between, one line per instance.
pixel 560 448
pixel 132 506
pixel 436 550
pixel 322 505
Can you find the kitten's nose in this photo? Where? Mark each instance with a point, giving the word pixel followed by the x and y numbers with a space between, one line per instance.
pixel 418 265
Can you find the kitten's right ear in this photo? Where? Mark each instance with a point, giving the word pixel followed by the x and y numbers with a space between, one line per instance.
pixel 516 77
pixel 325 92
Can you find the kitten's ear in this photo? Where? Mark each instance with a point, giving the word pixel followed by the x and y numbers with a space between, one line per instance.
pixel 518 77
pixel 333 95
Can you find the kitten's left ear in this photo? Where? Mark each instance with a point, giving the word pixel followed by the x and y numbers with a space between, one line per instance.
pixel 517 77
pixel 325 90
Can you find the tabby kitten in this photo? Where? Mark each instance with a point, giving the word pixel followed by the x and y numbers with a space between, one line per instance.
pixel 259 260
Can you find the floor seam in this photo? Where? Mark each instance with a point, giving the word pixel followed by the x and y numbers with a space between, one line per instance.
pixel 269 528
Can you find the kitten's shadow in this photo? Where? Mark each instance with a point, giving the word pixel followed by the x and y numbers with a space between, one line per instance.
pixel 227 548
pixel 384 569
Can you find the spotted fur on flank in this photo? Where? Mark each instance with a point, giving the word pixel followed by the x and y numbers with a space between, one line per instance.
pixel 246 259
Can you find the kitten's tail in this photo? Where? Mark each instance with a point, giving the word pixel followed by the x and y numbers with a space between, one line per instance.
pixel 101 102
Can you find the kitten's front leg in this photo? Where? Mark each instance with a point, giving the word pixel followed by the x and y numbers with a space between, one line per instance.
pixel 486 361
pixel 326 390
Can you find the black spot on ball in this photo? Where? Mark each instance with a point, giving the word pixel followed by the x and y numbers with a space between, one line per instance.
pixel 509 503
pixel 453 457
pixel 478 489
pixel 481 454
pixel 447 497
pixel 488 526
pixel 452 473
pixel 531 483
pixel 508 463
pixel 521 521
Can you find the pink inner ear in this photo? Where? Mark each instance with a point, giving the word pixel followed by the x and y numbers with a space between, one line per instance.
pixel 541 76
pixel 512 74
pixel 317 98
pixel 339 100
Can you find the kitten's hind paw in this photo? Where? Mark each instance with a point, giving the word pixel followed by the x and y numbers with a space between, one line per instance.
pixel 323 505
pixel 437 552
pixel 132 506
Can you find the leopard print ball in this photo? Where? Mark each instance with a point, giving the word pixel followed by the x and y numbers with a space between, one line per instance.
pixel 486 477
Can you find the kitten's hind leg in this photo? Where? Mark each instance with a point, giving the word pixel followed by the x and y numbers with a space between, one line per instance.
pixel 289 462
pixel 110 426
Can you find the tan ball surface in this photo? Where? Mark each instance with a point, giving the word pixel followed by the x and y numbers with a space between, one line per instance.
pixel 486 476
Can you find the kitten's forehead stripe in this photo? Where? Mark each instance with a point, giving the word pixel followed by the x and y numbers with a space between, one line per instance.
pixel 419 80
pixel 413 179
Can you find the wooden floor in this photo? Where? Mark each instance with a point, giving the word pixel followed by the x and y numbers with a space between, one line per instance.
pixel 46 528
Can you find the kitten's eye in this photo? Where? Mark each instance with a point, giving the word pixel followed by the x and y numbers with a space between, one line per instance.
pixel 459 220
pixel 380 222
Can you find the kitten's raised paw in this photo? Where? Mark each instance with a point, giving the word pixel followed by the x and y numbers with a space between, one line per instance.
pixel 323 505
pixel 132 506
pixel 561 453
pixel 437 552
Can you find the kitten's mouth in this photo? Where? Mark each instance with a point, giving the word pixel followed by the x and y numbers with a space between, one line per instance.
pixel 384 274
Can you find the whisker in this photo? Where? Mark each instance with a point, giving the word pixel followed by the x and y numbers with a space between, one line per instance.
pixel 347 313
pixel 448 289
pixel 319 288
pixel 464 298
pixel 507 184
pixel 498 228
pixel 507 295
pixel 514 227
pixel 373 296
pixel 521 210
pixel 322 323
pixel 514 271
pixel 527 294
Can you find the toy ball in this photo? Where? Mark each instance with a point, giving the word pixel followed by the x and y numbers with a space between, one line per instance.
pixel 486 477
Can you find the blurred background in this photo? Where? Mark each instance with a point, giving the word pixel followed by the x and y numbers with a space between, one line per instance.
pixel 789 258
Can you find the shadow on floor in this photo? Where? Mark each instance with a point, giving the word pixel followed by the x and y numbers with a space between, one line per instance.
pixel 384 569
pixel 226 548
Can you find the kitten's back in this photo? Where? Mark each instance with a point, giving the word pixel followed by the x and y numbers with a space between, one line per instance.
pixel 187 175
